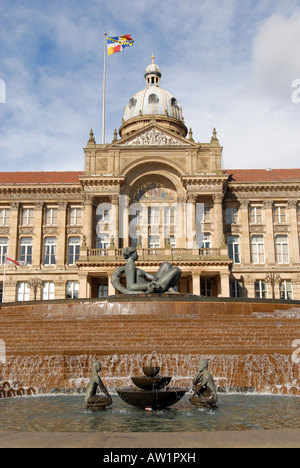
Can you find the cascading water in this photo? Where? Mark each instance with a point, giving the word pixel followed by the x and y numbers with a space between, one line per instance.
pixel 248 346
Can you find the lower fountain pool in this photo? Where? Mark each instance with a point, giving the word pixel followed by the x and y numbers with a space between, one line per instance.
pixel 66 413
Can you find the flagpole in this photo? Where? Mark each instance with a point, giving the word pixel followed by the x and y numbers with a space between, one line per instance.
pixel 104 90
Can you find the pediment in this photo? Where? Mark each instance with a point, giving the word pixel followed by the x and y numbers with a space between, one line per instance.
pixel 153 137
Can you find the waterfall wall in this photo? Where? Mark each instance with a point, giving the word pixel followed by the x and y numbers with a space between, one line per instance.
pixel 250 345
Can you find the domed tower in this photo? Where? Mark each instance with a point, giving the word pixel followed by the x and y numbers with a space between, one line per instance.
pixel 153 102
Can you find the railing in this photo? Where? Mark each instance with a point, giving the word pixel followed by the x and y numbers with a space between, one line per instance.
pixel 152 254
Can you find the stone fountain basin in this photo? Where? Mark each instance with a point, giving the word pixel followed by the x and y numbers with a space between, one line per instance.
pixel 151 383
pixel 157 400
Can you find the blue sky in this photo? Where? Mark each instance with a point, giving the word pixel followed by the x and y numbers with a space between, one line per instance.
pixel 229 63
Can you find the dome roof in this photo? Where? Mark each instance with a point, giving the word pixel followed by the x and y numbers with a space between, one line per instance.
pixel 153 100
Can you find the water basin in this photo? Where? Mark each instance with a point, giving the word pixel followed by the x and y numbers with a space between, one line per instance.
pixel 66 413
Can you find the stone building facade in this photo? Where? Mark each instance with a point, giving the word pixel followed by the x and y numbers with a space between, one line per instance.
pixel 232 232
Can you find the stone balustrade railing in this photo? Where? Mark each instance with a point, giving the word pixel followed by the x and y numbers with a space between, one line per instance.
pixel 152 254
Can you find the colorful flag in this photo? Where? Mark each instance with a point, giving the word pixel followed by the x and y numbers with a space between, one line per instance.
pixel 117 44
pixel 18 263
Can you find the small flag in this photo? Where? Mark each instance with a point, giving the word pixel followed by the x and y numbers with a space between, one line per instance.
pixel 117 44
pixel 18 263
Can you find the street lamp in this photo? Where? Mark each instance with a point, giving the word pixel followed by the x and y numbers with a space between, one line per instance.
pixel 35 284
pixel 272 279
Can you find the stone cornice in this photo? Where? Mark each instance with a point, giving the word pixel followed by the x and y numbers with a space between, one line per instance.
pixel 264 190
pixel 41 191
pixel 100 184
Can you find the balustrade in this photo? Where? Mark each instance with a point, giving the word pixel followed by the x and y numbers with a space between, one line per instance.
pixel 153 253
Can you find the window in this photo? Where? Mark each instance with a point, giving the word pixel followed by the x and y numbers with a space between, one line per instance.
pixel 51 217
pixel 261 289
pixel 103 241
pixel 48 291
pixel 207 213
pixel 103 215
pixel 103 288
pixel 205 241
pixel 154 242
pixel 50 251
pixel 75 217
pixel 22 292
pixel 170 216
pixel 280 215
pixel 256 215
pixel 170 242
pixel 236 288
pixel 72 290
pixel 4 217
pixel 232 215
pixel 1 292
pixel 298 213
pixel 258 249
pixel 26 250
pixel 282 249
pixel 153 216
pixel 206 288
pixel 234 248
pixel 286 290
pixel 3 249
pixel 27 217
pixel 73 250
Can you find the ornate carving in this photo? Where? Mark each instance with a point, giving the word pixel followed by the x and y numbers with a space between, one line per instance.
pixel 268 204
pixel 26 230
pixel 244 204
pixel 101 165
pixel 14 206
pixel 203 163
pixel 154 138
pixel 292 203
pixel 50 230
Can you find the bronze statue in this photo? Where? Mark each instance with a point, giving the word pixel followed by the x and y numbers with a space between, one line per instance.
pixel 138 281
pixel 93 401
pixel 205 394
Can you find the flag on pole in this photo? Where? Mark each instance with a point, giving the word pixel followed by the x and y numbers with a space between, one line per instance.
pixel 118 43
pixel 18 263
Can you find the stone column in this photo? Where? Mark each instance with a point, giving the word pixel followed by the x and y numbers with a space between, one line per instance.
pixel 124 221
pixel 296 287
pixel 249 286
pixel 83 286
pixel 37 235
pixel 13 231
pixel 88 220
pixel 181 241
pixel 294 235
pixel 10 290
pixel 61 238
pixel 245 240
pixel 196 275
pixel 114 199
pixel 60 288
pixel 218 220
pixel 270 241
pixel 190 220
pixel 111 289
pixel 224 285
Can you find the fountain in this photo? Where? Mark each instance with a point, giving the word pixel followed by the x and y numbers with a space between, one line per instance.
pixel 152 392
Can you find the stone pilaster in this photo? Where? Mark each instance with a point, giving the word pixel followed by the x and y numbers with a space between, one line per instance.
pixel 269 238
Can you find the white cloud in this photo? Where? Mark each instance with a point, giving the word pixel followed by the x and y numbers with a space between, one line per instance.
pixel 276 54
